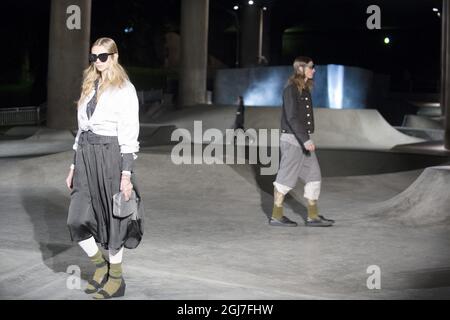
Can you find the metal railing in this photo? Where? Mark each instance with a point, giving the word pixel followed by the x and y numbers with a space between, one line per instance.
pixel 20 116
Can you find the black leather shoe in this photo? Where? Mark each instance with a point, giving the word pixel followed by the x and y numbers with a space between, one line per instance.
pixel 317 223
pixel 283 222
pixel 325 219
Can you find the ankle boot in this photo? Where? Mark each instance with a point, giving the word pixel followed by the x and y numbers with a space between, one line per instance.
pixel 100 275
pixel 115 286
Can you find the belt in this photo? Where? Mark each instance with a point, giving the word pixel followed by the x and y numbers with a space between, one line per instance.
pixel 88 137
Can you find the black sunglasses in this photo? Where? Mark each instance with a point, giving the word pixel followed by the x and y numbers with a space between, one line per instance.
pixel 102 56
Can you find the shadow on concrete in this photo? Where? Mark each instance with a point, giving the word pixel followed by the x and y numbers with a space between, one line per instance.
pixel 423 279
pixel 265 187
pixel 47 209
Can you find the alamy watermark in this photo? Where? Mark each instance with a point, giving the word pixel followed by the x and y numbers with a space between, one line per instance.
pixel 73 281
pixel 374 280
pixel 73 21
pixel 262 146
pixel 374 20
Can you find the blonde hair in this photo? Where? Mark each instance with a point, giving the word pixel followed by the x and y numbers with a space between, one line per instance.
pixel 114 76
pixel 298 77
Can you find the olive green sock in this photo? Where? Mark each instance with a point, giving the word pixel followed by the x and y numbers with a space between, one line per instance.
pixel 114 281
pixel 312 210
pixel 278 198
pixel 277 212
pixel 101 269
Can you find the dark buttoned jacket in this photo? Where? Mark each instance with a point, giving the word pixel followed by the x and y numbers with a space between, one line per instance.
pixel 297 113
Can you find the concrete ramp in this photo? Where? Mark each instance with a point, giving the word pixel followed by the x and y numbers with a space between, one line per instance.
pixel 43 141
pixel 220 117
pixel 362 129
pixel 423 122
pixel 426 202
pixel 357 129
pixel 22 131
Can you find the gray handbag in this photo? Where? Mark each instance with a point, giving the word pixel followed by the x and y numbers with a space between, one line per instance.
pixel 122 208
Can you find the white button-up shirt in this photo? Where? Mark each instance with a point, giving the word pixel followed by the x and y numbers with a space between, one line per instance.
pixel 116 114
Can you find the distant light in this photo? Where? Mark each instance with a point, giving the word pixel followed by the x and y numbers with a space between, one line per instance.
pixel 335 83
pixel 128 30
pixel 236 7
pixel 264 8
pixel 251 2
pixel 435 9
pixel 439 14
pixel 387 40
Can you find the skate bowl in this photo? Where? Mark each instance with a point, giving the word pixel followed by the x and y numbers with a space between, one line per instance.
pixel 38 141
pixel 358 129
pixel 350 142
pixel 42 141
pixel 423 122
pixel 426 202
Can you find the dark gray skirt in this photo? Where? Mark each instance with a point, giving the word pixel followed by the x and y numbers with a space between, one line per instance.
pixel 96 179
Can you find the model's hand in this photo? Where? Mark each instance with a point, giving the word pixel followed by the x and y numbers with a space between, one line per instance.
pixel 310 147
pixel 69 179
pixel 126 186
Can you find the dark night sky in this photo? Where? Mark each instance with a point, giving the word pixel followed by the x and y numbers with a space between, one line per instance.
pixel 331 31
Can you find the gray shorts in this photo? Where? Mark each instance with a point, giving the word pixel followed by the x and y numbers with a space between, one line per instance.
pixel 296 165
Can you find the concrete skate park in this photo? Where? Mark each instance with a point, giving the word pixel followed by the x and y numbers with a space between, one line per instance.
pixel 206 231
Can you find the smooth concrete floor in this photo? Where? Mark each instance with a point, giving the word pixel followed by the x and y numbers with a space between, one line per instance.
pixel 207 237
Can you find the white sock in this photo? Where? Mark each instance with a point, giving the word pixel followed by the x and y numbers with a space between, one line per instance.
pixel 115 256
pixel 89 246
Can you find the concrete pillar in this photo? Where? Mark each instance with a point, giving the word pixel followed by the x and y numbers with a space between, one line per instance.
pixel 194 52
pixel 250 27
pixel 69 45
pixel 445 75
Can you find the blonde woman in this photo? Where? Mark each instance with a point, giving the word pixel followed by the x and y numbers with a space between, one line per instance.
pixel 298 157
pixel 105 149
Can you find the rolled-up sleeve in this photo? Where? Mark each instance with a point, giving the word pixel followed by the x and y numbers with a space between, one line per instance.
pixel 75 145
pixel 128 123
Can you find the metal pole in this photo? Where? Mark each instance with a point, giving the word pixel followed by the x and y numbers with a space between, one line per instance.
pixel 445 101
pixel 443 60
pixel 260 41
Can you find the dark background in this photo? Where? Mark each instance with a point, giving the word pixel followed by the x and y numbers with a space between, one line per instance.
pixel 330 31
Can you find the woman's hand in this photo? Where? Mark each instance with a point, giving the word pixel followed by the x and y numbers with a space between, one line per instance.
pixel 126 186
pixel 69 179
